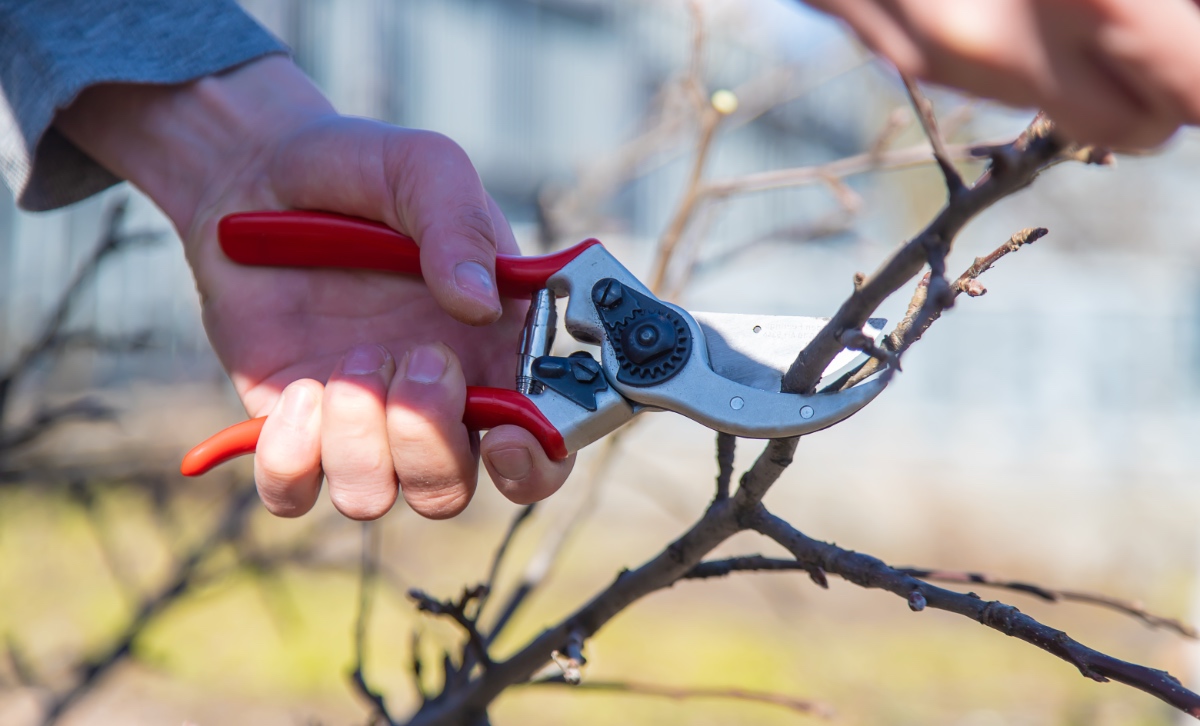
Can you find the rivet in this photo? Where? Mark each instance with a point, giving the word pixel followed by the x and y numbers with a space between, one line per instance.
pixel 807 412
pixel 736 403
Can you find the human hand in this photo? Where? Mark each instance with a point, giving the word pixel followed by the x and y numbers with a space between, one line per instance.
pixel 1123 73
pixel 362 375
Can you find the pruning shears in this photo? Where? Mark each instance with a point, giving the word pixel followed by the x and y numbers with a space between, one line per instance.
pixel 721 370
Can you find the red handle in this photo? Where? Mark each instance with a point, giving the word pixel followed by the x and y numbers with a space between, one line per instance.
pixel 486 408
pixel 319 239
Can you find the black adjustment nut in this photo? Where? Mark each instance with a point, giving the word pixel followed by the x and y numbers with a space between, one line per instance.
pixel 648 338
pixel 550 367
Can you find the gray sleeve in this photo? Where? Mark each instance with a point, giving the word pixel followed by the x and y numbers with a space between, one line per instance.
pixel 51 50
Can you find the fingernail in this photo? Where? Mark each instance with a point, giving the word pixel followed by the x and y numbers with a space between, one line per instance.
pixel 426 364
pixel 512 464
pixel 474 279
pixel 297 405
pixel 364 359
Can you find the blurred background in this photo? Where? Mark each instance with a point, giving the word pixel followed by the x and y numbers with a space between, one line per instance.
pixel 1046 431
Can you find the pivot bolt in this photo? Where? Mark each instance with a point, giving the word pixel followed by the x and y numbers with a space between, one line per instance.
pixel 585 370
pixel 608 293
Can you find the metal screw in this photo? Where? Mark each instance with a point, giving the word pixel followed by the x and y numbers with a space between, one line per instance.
pixel 807 412
pixel 736 403
pixel 647 335
pixel 608 293
pixel 583 372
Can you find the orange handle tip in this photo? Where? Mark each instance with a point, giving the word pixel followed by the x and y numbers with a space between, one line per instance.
pixel 219 448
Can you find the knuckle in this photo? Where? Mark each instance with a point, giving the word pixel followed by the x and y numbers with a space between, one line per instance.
pixel 436 499
pixel 363 506
pixel 476 221
pixel 282 507
pixel 439 146
pixel 280 497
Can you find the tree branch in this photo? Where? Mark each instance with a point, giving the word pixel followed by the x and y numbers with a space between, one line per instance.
pixel 228 528
pixel 726 449
pixel 1025 158
pixel 798 705
pixel 457 611
pixel 1136 609
pixel 924 109
pixel 368 570
pixel 921 315
pixel 869 572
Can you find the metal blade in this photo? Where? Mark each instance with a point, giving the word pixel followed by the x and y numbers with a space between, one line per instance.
pixel 756 350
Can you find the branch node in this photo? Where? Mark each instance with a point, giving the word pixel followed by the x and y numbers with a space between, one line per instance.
pixel 570 659
pixel 916 601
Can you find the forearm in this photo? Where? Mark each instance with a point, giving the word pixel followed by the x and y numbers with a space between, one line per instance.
pixel 183 144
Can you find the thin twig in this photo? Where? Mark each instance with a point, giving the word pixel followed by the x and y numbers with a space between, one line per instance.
pixel 752 563
pixel 798 705
pixel 1033 152
pixel 869 572
pixel 111 240
pixel 49 419
pixel 924 109
pixel 726 449
pixel 868 162
pixel 457 611
pixel 1136 609
pixel 554 542
pixel 368 570
pixel 570 659
pixel 489 584
pixel 228 528
pixel 920 315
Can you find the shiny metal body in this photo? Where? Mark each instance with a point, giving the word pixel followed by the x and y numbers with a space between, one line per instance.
pixel 536 339
pixel 739 394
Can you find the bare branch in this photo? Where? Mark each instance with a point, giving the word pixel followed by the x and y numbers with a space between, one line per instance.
pixel 798 705
pixel 570 659
pixel 46 420
pixel 541 565
pixel 922 314
pixel 1033 152
pixel 924 109
pixel 753 563
pixel 456 610
pixel 1136 609
pixel 514 526
pixel 869 162
pixel 896 122
pixel 726 449
pixel 111 240
pixel 869 572
pixel 368 570
pixel 228 528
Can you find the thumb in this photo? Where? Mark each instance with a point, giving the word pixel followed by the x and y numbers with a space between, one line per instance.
pixel 418 182
pixel 443 205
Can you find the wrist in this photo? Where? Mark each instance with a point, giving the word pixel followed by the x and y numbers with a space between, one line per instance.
pixel 187 145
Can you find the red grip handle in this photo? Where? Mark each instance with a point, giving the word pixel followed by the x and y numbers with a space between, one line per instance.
pixel 320 239
pixel 486 408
